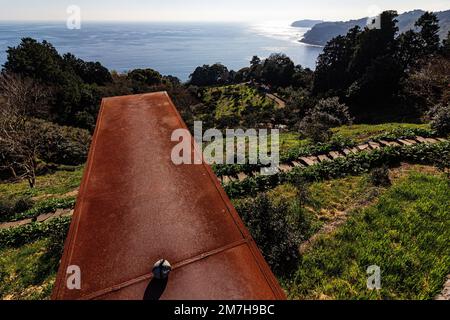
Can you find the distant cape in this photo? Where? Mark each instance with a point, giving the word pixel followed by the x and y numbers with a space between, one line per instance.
pixel 306 23
pixel 322 32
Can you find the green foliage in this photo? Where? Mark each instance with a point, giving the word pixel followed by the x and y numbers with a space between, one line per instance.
pixel 277 70
pixel 272 232
pixel 89 72
pixel 43 207
pixel 235 106
pixel 18 236
pixel 148 77
pixel 327 113
pixel 353 164
pixel 61 144
pixel 362 132
pixel 71 81
pixel 429 32
pixel 380 177
pixel 216 74
pixel 58 183
pixel 440 119
pixel 29 272
pixel 406 234
pixel 368 69
pixel 10 207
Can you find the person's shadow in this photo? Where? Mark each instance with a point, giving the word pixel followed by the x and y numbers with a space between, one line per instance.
pixel 155 289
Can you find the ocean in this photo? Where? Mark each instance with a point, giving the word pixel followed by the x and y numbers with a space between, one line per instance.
pixel 170 48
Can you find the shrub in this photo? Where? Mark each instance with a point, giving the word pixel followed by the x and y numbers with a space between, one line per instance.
pixel 353 164
pixel 47 206
pixel 61 144
pixel 18 236
pixel 272 232
pixel 379 177
pixel 10 208
pixel 440 119
pixel 327 113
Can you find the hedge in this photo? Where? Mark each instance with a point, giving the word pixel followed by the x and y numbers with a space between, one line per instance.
pixel 322 148
pixel 353 164
pixel 19 236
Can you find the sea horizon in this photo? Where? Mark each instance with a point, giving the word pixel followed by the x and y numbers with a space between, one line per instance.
pixel 172 48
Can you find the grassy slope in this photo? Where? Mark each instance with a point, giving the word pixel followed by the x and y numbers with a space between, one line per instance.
pixel 406 233
pixel 27 273
pixel 364 132
pixel 55 184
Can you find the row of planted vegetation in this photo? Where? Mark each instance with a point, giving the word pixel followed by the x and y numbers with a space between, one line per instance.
pixel 49 104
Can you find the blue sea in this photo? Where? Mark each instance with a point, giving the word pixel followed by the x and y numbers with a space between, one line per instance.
pixel 171 48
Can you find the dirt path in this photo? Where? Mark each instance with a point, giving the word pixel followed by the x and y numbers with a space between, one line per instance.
pixel 341 217
pixel 278 101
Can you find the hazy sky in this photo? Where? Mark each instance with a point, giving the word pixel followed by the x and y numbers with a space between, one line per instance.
pixel 208 10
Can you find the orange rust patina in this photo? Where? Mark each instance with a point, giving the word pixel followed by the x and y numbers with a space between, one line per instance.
pixel 136 207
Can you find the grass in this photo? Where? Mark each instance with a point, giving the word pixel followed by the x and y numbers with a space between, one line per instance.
pixel 55 184
pixel 28 272
pixel 406 234
pixel 364 132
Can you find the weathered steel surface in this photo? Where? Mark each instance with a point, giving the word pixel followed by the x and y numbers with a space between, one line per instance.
pixel 136 207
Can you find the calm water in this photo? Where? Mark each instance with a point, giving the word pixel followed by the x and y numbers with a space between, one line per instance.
pixel 170 48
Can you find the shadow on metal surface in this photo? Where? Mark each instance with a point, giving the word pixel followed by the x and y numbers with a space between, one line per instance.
pixel 155 289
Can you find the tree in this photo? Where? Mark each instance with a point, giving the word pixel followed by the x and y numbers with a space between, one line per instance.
pixel 19 137
pixel 148 77
pixel 207 75
pixel 72 81
pixel 35 60
pixel 272 232
pixel 410 49
pixel 429 33
pixel 89 72
pixel 446 46
pixel 277 70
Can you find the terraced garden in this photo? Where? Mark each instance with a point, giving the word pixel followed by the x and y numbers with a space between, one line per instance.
pixel 324 208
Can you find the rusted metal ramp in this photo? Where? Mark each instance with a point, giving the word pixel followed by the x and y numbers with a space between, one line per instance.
pixel 136 207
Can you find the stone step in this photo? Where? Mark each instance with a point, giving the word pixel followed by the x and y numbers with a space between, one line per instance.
pixel 421 139
pixel 242 176
pixel 411 141
pixel 323 158
pixel 309 161
pixel 363 147
pixel 335 155
pixel 285 168
pixel 374 145
pixel 404 142
pixel 297 164
pixel 347 152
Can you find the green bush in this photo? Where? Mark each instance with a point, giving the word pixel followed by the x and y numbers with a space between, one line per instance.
pixel 379 177
pixel 327 114
pixel 61 144
pixel 274 235
pixel 353 164
pixel 440 119
pixel 47 206
pixel 18 236
pixel 10 208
